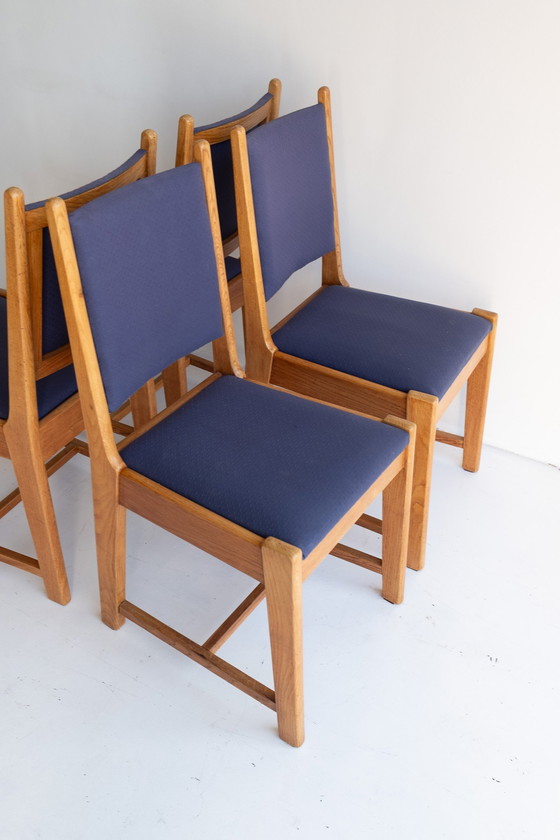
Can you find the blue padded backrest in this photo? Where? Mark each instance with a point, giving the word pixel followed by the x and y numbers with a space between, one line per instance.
pixel 291 180
pixel 55 334
pixel 223 170
pixel 149 275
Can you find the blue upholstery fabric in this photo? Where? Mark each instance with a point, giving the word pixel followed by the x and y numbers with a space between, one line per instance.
pixel 274 463
pixel 233 267
pixel 395 342
pixel 291 179
pixel 149 275
pixel 55 333
pixel 223 170
pixel 51 391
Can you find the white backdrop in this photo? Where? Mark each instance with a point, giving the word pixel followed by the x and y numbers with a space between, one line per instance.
pixel 447 141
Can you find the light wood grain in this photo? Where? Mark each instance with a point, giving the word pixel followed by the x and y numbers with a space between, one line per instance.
pixel 477 398
pixel 283 584
pixel 199 654
pixel 422 410
pixel 237 617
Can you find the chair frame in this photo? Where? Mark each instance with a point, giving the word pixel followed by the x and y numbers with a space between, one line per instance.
pixel 175 377
pixel 277 566
pixel 38 447
pixel 266 363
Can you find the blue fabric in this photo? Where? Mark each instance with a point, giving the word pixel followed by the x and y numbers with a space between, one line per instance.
pixel 233 267
pixel 51 391
pixel 291 180
pixel 223 170
pixel 149 275
pixel 55 333
pixel 274 463
pixel 395 342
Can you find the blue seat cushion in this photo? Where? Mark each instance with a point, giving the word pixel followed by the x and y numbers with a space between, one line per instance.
pixel 276 464
pixel 399 343
pixel 51 391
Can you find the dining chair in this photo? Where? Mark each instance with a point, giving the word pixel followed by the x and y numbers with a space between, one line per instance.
pixel 218 134
pixel 40 413
pixel 372 352
pixel 264 480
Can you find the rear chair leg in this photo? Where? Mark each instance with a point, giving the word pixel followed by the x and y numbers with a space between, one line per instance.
pixel 421 409
pixel 477 398
pixel 37 501
pixel 282 567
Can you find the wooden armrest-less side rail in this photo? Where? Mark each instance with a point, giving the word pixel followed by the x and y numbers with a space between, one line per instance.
pixel 199 654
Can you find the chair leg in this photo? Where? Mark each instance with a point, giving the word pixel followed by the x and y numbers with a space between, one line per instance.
pixel 37 501
pixel 477 398
pixel 110 539
pixel 175 381
pixel 396 522
pixel 421 409
pixel 143 404
pixel 282 566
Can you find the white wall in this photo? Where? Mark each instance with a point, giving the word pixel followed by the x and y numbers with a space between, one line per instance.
pixel 447 139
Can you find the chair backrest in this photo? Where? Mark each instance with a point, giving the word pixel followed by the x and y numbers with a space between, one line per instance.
pixel 27 234
pixel 152 280
pixel 218 134
pixel 292 193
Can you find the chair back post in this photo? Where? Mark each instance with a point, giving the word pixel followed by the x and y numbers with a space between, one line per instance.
pixel 185 141
pixel 148 142
pixel 332 273
pixel 21 356
pixel 275 90
pixel 225 350
pixel 94 403
pixel 259 345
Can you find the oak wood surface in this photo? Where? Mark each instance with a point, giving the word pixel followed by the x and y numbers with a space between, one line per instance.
pixel 199 654
pixel 283 583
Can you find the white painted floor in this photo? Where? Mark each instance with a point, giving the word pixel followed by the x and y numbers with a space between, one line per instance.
pixel 436 719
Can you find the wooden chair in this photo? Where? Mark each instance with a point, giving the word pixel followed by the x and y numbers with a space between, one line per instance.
pixel 358 349
pixel 264 480
pixel 40 412
pixel 218 134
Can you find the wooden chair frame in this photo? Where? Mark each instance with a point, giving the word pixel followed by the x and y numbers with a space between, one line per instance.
pixel 38 447
pixel 266 363
pixel 175 377
pixel 276 566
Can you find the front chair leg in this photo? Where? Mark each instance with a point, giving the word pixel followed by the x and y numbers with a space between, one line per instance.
pixel 421 409
pixel 110 539
pixel 396 520
pixel 282 567
pixel 477 398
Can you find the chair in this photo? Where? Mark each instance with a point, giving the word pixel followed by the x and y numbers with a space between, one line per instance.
pixel 371 352
pixel 40 413
pixel 264 480
pixel 217 134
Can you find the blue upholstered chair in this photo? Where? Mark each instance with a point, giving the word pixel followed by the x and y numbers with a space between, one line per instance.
pixel 264 480
pixel 359 349
pixel 40 412
pixel 218 134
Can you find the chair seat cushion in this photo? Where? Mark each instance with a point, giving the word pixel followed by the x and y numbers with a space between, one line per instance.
pixel 399 343
pixel 51 391
pixel 276 464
